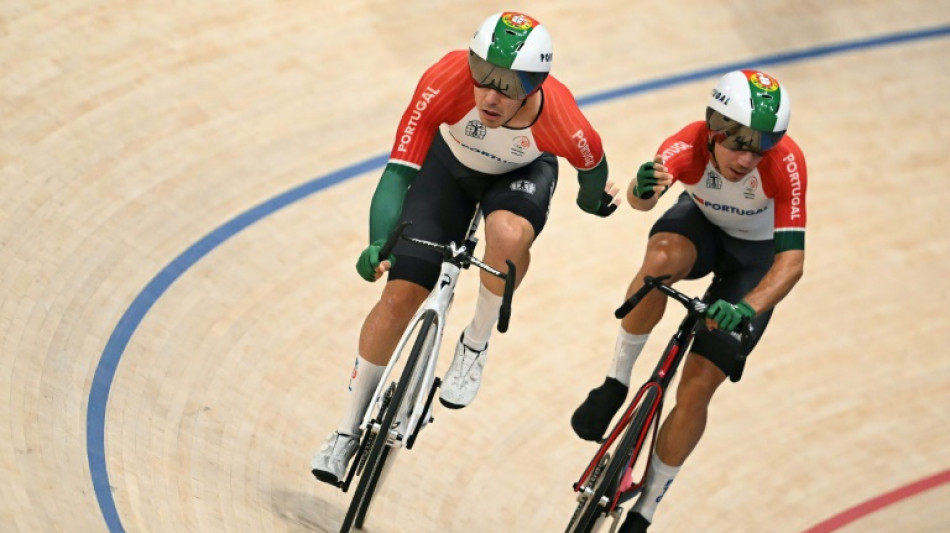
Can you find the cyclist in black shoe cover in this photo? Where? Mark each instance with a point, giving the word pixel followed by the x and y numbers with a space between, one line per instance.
pixel 742 219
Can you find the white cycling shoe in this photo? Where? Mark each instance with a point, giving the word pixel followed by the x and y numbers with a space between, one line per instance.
pixel 460 383
pixel 329 463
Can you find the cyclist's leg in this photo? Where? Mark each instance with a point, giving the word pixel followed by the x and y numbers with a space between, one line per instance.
pixel 388 318
pixel 378 338
pixel 740 266
pixel 686 422
pixel 440 211
pixel 516 209
pixel 680 245
pixel 679 433
pixel 515 206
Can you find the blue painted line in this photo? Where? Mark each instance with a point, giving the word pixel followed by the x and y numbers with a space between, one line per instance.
pixel 115 347
pixel 133 316
pixel 763 61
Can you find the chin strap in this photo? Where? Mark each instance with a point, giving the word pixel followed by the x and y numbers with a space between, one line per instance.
pixel 523 103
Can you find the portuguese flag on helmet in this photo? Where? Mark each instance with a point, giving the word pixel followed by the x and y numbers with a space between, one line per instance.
pixel 750 109
pixel 766 100
pixel 510 33
pixel 511 53
pixel 515 41
pixel 752 98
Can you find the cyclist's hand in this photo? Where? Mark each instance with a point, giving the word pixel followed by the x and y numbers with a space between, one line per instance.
pixel 609 200
pixel 652 177
pixel 369 266
pixel 727 316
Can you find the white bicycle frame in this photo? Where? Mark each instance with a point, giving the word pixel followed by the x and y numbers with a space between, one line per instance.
pixel 439 301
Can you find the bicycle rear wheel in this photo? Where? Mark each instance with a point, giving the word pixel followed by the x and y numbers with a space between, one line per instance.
pixel 379 448
pixel 604 482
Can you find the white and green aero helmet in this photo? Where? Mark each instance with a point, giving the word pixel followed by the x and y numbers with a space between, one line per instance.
pixel 511 53
pixel 748 110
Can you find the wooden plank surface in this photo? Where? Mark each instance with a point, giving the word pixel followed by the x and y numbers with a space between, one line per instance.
pixel 142 144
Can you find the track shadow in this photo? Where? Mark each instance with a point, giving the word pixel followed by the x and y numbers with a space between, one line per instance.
pixel 309 512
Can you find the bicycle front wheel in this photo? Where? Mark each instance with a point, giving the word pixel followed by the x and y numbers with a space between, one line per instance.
pixel 379 447
pixel 599 491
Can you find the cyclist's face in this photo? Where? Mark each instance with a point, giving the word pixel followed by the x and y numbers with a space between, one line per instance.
pixel 735 164
pixel 494 108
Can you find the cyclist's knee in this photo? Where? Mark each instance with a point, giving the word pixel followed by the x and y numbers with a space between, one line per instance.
pixel 669 254
pixel 506 230
pixel 402 298
pixel 701 378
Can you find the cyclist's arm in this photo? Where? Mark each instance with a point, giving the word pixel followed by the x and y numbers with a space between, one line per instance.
pixel 443 93
pixel 592 183
pixel 563 130
pixel 778 281
pixel 787 167
pixel 641 204
pixel 682 156
pixel 386 207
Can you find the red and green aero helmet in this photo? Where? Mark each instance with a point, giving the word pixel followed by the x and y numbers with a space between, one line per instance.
pixel 748 110
pixel 511 53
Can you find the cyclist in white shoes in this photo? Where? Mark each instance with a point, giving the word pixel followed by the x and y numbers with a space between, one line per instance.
pixel 484 126
pixel 742 219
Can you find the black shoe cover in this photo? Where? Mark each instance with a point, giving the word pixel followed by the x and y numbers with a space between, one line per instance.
pixel 635 523
pixel 591 419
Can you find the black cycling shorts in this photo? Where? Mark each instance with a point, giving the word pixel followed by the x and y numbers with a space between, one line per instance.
pixel 737 266
pixel 442 199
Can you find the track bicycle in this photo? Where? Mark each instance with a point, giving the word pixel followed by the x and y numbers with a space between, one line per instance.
pixel 402 405
pixel 612 478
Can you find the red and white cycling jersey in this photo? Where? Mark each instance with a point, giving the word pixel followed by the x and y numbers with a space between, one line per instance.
pixel 444 100
pixel 768 202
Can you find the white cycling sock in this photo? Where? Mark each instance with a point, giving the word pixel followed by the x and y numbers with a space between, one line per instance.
pixel 487 308
pixel 626 351
pixel 659 478
pixel 363 382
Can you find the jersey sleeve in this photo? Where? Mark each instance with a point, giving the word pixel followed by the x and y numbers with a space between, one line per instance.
pixel 563 130
pixel 684 152
pixel 443 94
pixel 788 179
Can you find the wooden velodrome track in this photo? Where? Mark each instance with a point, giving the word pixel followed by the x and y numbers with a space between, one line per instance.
pixel 185 188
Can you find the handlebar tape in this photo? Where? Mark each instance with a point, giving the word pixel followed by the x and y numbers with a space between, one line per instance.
pixel 504 314
pixel 649 282
pixel 745 335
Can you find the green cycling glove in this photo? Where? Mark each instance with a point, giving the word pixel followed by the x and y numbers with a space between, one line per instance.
pixel 728 316
pixel 646 180
pixel 605 207
pixel 369 260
